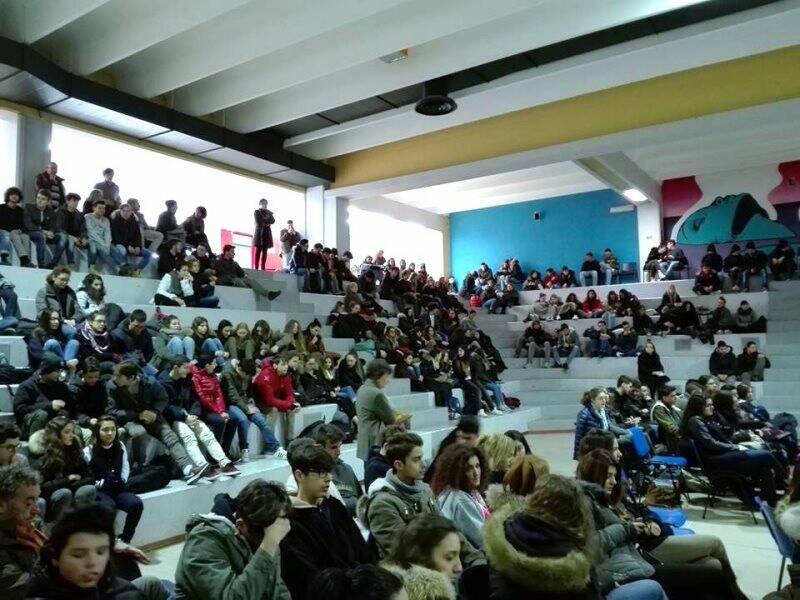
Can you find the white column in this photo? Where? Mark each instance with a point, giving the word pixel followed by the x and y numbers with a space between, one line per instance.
pixel 33 153
pixel 315 215
pixel 649 225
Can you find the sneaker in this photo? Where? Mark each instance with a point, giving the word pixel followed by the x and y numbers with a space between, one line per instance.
pixel 245 455
pixel 212 474
pixel 195 474
pixel 230 470
pixel 279 454
pixel 272 295
pixel 619 354
pixel 548 364
pixel 574 317
pixel 482 413
pixel 526 365
pixel 497 411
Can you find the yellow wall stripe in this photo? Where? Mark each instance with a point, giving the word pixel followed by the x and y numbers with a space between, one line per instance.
pixel 758 79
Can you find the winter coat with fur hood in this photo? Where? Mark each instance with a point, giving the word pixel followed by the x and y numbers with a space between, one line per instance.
pixel 529 558
pixel 422 583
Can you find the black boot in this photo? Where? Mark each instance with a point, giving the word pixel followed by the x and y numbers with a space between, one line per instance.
pixel 25 261
pixel 4 259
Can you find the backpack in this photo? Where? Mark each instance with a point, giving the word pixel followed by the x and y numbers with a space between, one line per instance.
pixel 11 375
pixel 512 402
pixel 475 301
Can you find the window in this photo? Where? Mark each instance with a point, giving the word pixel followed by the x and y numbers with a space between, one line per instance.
pixel 8 148
pixel 370 232
pixel 152 178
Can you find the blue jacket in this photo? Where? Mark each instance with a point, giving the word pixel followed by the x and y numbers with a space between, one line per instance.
pixel 588 419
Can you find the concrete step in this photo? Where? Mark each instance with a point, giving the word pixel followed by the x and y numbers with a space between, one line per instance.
pixel 785 361
pixel 783 348
pixel 429 418
pixel 783 374
pixel 781 388
pixel 548 425
pixel 413 401
pixel 784 326
pixel 782 336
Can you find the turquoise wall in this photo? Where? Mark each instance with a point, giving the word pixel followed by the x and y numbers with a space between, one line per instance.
pixel 570 226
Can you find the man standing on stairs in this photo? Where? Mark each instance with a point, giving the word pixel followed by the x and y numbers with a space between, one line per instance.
pixel 230 273
pixel 289 237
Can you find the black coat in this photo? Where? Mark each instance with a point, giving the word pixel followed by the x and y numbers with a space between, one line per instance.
pixel 321 537
pixel 262 238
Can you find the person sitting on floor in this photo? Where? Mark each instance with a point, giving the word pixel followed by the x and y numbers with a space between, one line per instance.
pixel 707 282
pixel 750 364
pixel 746 320
pixel 782 261
pixel 722 362
pixel 590 271
pixel 591 307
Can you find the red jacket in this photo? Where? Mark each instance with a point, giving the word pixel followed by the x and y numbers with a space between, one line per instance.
pixel 590 305
pixel 272 390
pixel 209 391
pixel 552 280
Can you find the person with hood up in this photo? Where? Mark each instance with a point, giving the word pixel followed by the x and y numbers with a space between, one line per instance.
pixel 782 261
pixel 323 534
pixel 545 546
pixel 234 551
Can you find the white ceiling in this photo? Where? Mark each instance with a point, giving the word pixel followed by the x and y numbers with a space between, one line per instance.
pixel 534 183
pixel 252 64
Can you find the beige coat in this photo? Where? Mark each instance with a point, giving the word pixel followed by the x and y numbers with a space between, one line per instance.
pixel 374 414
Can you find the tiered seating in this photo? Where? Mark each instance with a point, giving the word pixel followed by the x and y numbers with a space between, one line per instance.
pixel 557 393
pixel 165 511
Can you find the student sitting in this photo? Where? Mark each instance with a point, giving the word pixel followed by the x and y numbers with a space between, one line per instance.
pixel 592 307
pixel 459 482
pixel 171 341
pixel 240 344
pixel 590 270
pixel 533 282
pixel 750 364
pixel 330 438
pixel 651 371
pixel 94 341
pixel 57 295
pixel 712 259
pixel 274 394
pixel 610 266
pixel 230 273
pixel 673 260
pixel 567 277
pixel 233 552
pixel 720 318
pixel 402 495
pixel 204 282
pixel 594 415
pixel 90 396
pixel 70 228
pixel 167 224
pixel 707 282
pixel 170 257
pixel 176 288
pixel 569 308
pixel 98 232
pixel 754 262
pixel 601 341
pixel 108 462
pixel 91 298
pixel 566 347
pixel 782 261
pixel 732 267
pixel 667 416
pixel 746 320
pixel 427 558
pixel 12 228
pixel 132 341
pixel 722 362
pixel 66 478
pixel 184 414
pixel 717 452
pixel 322 534
pixel 42 396
pixel 138 403
pixel 551 279
pixel 127 237
pixel 40 224
pixel 236 384
pixel 205 342
pixel 536 343
pixel 49 338
pixel 627 341
pixel 76 561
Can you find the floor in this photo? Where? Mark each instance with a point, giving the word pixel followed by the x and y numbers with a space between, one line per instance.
pixel 750 547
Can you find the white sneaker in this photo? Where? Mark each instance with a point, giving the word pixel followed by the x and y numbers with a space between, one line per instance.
pixel 482 413
pixel 279 454
pixel 526 365
pixel 245 456
pixel 497 411
pixel 619 354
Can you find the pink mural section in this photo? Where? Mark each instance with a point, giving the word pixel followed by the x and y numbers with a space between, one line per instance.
pixel 788 190
pixel 679 195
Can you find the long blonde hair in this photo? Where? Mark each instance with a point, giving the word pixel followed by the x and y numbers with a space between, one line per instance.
pixel 499 450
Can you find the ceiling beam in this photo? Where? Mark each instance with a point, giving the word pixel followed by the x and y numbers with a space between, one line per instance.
pixel 252 30
pixel 96 41
pixel 545 24
pixel 28 21
pixel 404 26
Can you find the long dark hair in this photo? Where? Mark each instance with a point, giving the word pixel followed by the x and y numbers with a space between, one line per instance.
pixel 44 322
pixel 594 466
pixel 222 325
pixel 86 284
pixel 57 455
pixel 694 408
pixel 415 543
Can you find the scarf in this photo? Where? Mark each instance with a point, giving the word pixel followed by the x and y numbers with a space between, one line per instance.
pixel 98 341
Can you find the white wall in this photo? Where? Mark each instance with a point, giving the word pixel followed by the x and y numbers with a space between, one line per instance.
pixel 649 228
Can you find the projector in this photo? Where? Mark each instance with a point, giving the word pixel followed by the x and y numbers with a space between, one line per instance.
pixel 435 101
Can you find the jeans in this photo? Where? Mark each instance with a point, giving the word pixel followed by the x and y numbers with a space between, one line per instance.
pixel 20 241
pixel 192 436
pixel 109 255
pixel 762 273
pixel 608 272
pixel 302 275
pixel 212 346
pixel 497 392
pixel 634 352
pixel 243 421
pixel 490 304
pixel 644 589
pixel 760 465
pixel 288 418
pixel 64 245
pixel 667 268
pixel 182 345
pixel 161 430
pixel 127 502
pixel 10 302
pixel 600 347
pixel 122 255
pixel 560 352
pixel 584 275
pixel 66 352
pixel 205 302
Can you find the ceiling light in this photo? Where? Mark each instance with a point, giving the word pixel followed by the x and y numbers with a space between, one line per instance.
pixel 634 195
pixel 435 101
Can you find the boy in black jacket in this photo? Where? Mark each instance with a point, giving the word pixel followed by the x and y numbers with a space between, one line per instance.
pixel 323 534
pixel 42 396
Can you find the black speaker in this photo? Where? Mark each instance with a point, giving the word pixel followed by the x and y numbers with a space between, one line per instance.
pixel 537 216
pixel 435 101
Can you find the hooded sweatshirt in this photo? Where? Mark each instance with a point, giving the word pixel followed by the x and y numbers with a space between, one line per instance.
pixel 322 536
pixel 217 563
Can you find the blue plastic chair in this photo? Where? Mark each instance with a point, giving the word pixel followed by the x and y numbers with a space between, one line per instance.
pixel 786 545
pixel 672 464
pixel 673 517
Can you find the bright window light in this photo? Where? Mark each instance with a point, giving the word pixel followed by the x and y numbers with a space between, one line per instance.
pixel 634 195
pixel 152 178
pixel 370 232
pixel 8 148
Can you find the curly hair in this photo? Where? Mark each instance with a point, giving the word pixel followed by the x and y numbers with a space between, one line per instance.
pixel 451 469
pixel 57 455
pixel 560 502
pixel 12 191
